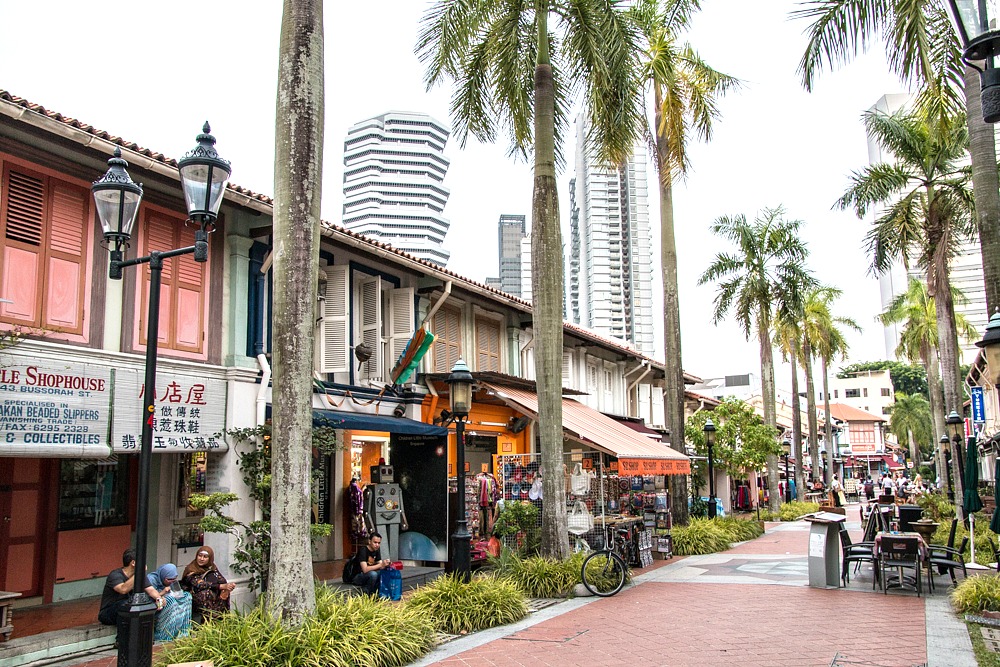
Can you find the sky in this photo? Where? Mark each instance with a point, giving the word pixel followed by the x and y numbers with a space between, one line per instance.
pixel 152 73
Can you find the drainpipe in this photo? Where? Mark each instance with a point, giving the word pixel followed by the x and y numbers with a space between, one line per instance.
pixel 634 384
pixel 523 352
pixel 265 380
pixel 434 399
pixel 437 304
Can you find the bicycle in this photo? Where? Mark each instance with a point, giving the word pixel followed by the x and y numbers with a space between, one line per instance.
pixel 605 571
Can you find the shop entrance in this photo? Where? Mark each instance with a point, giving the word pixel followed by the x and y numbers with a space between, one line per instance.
pixel 23 510
pixel 479 451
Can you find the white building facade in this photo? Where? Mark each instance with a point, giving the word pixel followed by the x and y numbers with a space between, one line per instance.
pixel 394 169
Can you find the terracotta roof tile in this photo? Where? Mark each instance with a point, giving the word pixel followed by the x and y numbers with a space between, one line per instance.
pixel 847 413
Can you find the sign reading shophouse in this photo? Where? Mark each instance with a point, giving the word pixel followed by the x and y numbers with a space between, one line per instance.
pixel 189 412
pixel 54 409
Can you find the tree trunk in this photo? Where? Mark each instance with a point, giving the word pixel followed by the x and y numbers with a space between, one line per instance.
pixel 298 177
pixel 827 421
pixel 547 294
pixel 767 400
pixel 935 398
pixel 807 365
pixel 944 304
pixel 986 189
pixel 800 489
pixel 673 383
pixel 914 452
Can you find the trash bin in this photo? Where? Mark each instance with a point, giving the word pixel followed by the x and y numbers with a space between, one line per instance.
pixel 907 515
pixel 824 549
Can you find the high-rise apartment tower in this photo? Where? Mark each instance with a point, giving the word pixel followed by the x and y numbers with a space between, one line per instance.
pixel 394 168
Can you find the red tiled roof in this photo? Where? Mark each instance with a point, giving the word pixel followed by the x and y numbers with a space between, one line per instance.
pixel 849 414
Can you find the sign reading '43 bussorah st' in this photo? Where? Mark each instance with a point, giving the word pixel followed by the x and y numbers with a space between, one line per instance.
pixel 190 411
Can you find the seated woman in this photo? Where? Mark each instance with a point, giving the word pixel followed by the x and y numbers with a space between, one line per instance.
pixel 173 616
pixel 209 589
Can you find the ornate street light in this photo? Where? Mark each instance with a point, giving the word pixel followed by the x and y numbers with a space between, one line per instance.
pixel 117 198
pixel 786 450
pixel 460 394
pixel 709 430
pixel 990 345
pixel 976 23
pixel 946 452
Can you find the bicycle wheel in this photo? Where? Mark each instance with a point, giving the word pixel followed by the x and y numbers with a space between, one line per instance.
pixel 603 573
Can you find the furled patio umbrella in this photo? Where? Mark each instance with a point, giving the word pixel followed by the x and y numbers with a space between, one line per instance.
pixel 971 503
pixel 995 521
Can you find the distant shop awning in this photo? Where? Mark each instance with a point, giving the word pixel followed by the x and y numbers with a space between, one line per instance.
pixel 637 454
pixel 358 421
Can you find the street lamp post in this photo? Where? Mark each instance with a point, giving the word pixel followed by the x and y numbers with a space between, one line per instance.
pixel 786 446
pixel 980 43
pixel 709 430
pixel 946 454
pixel 203 177
pixel 460 393
pixel 956 429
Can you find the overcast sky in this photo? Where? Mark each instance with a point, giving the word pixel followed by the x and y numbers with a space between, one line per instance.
pixel 153 72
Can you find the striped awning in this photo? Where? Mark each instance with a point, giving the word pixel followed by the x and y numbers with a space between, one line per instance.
pixel 636 453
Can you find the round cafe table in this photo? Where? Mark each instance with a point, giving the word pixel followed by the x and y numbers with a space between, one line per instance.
pixel 925 528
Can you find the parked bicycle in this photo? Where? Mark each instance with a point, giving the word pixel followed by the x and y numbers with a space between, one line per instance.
pixel 605 571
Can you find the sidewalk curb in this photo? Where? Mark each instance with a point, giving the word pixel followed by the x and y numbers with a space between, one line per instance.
pixel 948 642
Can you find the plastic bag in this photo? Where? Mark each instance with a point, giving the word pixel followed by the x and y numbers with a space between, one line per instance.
pixel 579 520
pixel 579 481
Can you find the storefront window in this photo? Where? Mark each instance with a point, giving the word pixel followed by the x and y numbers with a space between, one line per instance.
pixel 93 493
pixel 191 479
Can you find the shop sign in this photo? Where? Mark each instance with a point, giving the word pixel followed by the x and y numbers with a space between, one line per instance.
pixel 54 409
pixel 189 412
pixel 637 467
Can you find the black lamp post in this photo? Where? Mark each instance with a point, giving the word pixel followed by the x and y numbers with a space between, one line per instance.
pixel 977 30
pixel 786 450
pixel 826 476
pixel 956 429
pixel 460 392
pixel 203 179
pixel 946 452
pixel 709 430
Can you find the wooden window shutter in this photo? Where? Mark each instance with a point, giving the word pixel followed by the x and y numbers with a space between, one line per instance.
pixel 333 355
pixel 487 345
pixel 23 220
pixel 64 287
pixel 448 339
pixel 189 296
pixel 401 317
pixel 371 328
pixel 567 370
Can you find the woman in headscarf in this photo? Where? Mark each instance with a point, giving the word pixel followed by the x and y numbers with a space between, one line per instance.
pixel 173 616
pixel 208 587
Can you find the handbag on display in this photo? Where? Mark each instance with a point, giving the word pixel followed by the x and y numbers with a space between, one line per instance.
pixel 648 484
pixel 579 481
pixel 636 483
pixel 535 492
pixel 579 520
pixel 659 482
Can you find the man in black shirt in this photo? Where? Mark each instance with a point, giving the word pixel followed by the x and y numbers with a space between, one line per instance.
pixel 118 589
pixel 370 563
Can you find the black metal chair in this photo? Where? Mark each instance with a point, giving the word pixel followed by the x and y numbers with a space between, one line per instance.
pixel 900 553
pixel 996 553
pixel 946 559
pixel 857 553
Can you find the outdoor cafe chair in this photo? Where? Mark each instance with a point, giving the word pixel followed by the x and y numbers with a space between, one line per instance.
pixel 946 559
pixel 855 552
pixel 996 554
pixel 900 553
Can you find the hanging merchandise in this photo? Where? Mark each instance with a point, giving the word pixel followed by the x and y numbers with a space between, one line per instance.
pixel 579 520
pixel 535 492
pixel 636 483
pixel 579 481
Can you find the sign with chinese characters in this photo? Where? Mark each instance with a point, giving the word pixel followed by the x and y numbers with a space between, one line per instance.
pixel 54 409
pixel 189 411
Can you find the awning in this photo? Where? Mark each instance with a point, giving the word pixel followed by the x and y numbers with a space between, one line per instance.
pixel 636 453
pixel 366 422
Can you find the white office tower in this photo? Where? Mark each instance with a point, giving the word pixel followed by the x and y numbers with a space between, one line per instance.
pixel 966 265
pixel 610 263
pixel 511 232
pixel 394 168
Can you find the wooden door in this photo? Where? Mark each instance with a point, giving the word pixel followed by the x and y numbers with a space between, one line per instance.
pixel 23 514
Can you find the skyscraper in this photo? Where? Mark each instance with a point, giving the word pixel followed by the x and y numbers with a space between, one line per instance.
pixel 511 231
pixel 394 168
pixel 610 264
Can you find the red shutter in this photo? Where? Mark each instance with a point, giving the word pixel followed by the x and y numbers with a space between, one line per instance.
pixel 23 220
pixel 447 339
pixel 64 284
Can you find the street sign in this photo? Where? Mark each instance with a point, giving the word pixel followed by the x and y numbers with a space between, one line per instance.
pixel 978 406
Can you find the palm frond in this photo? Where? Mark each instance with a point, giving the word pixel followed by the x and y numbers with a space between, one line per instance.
pixel 839 30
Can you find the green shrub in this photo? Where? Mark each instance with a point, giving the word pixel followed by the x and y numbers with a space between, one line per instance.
pixel 517 527
pixel 740 530
pixel 977 593
pixel 698 508
pixel 766 514
pixel 457 607
pixel 937 508
pixel 539 577
pixel 795 509
pixel 344 632
pixel 700 536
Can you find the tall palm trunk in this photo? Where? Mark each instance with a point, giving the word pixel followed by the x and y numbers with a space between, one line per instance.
pixel 935 397
pixel 986 188
pixel 800 489
pixel 944 304
pixel 827 421
pixel 767 399
pixel 298 178
pixel 673 382
pixel 914 452
pixel 811 412
pixel 547 290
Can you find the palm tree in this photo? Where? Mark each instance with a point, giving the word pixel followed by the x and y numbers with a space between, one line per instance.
pixel 766 269
pixel 512 69
pixel 298 176
pixel 821 338
pixel 684 90
pixel 788 338
pixel 922 48
pixel 916 310
pixel 910 421
pixel 926 210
